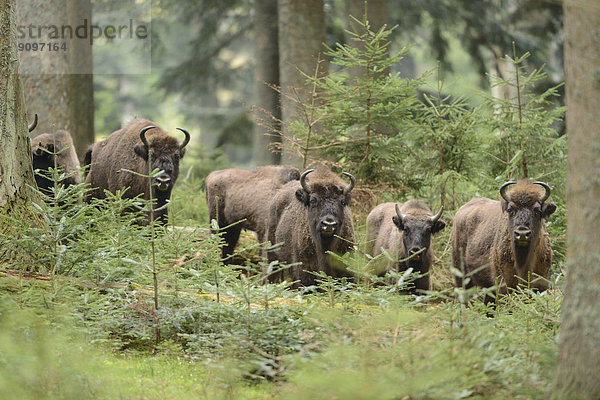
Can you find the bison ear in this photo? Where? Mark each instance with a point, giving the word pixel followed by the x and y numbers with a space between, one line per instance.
pixel 302 196
pixel 437 226
pixel 504 205
pixel 398 222
pixel 548 209
pixel 181 153
pixel 141 151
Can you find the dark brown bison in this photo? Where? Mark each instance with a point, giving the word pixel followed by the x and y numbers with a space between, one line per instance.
pixel 54 150
pixel 508 237
pixel 233 195
pixel 131 148
pixel 311 217
pixel 404 231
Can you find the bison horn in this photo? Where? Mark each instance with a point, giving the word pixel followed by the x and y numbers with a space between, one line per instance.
pixel 437 216
pixel 186 140
pixel 399 213
pixel 143 135
pixel 546 187
pixel 303 180
pixel 350 186
pixel 34 123
pixel 503 190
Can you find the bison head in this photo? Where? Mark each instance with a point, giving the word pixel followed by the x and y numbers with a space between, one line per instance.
pixel 326 202
pixel 417 229
pixel 43 153
pixel 164 153
pixel 525 209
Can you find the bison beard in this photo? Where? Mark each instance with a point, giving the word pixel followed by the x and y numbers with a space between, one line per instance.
pixel 310 219
pixel 404 231
pixel 140 147
pixel 507 236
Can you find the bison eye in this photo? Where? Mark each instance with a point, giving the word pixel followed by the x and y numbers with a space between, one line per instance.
pixel 511 212
pixel 313 201
pixel 343 202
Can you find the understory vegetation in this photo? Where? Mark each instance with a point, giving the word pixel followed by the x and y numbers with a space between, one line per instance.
pixel 79 320
pixel 95 305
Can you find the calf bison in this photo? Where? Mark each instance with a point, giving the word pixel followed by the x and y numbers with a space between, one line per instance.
pixel 54 150
pixel 404 231
pixel 234 195
pixel 140 147
pixel 311 217
pixel 507 238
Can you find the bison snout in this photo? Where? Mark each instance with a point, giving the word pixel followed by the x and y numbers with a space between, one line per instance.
pixel 328 227
pixel 415 252
pixel 163 182
pixel 522 236
pixel 38 152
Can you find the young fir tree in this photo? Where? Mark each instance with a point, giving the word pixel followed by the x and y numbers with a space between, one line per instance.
pixel 363 112
pixel 445 144
pixel 526 141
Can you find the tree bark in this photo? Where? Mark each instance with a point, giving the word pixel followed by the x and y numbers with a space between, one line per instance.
pixel 301 35
pixel 59 85
pixel 16 171
pixel 268 112
pixel 579 354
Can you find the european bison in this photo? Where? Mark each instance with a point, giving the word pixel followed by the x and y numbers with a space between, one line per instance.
pixel 236 194
pixel 404 231
pixel 54 150
pixel 130 148
pixel 311 217
pixel 506 236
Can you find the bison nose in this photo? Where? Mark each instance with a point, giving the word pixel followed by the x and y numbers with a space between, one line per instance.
pixel 522 236
pixel 414 250
pixel 163 182
pixel 37 152
pixel 328 226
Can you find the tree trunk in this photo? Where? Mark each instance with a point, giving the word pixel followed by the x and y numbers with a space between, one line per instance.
pixel 268 113
pixel 579 356
pixel 301 35
pixel 59 84
pixel 16 171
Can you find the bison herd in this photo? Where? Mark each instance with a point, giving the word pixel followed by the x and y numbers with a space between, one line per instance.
pixel 307 213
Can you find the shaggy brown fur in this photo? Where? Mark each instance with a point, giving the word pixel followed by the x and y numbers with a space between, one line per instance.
pixel 236 194
pixel 385 230
pixel 296 219
pixel 47 147
pixel 124 150
pixel 484 233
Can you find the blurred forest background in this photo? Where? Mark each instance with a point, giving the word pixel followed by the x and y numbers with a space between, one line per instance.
pixel 206 60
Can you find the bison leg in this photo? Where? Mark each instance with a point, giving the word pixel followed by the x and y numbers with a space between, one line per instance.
pixel 231 236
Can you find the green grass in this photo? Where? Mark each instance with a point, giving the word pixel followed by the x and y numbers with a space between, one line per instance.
pixel 90 331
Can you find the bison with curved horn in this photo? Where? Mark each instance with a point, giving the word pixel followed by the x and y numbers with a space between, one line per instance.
pixel 234 195
pixel 311 217
pixel 53 150
pixel 141 147
pixel 404 230
pixel 507 238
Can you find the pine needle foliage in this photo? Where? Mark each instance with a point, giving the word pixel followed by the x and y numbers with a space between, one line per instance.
pixel 526 143
pixel 363 110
